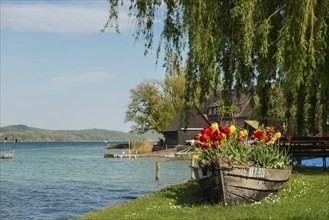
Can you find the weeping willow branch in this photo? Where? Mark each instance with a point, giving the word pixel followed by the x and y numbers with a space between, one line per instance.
pixel 239 44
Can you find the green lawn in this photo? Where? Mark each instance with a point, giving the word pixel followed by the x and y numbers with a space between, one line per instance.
pixel 305 197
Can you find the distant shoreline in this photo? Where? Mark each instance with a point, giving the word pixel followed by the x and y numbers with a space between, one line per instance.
pixel 26 133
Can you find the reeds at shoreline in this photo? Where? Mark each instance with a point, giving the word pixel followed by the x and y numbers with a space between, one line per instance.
pixel 141 146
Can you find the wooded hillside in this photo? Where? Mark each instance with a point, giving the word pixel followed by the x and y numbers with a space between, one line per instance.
pixel 26 133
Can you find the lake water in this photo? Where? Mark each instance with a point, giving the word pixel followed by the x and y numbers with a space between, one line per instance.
pixel 66 179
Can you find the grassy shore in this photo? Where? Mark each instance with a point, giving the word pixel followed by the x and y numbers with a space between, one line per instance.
pixel 305 197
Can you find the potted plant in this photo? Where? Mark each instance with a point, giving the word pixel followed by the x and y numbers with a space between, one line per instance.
pixel 241 170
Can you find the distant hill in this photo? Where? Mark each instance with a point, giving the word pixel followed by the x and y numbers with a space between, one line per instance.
pixel 20 128
pixel 26 133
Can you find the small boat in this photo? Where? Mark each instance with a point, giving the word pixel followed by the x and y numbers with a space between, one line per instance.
pixel 7 153
pixel 241 184
pixel 244 184
pixel 7 156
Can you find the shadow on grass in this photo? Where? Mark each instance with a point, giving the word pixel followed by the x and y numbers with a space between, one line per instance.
pixel 189 194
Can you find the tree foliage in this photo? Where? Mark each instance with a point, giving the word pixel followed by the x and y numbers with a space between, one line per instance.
pixel 154 103
pixel 242 43
pixel 276 103
pixel 143 103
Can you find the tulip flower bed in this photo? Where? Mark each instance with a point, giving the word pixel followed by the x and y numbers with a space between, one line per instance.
pixel 238 170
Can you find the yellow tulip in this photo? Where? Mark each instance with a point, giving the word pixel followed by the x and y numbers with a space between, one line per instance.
pixel 214 127
pixel 197 143
pixel 244 133
pixel 232 129
pixel 277 134
pixel 195 157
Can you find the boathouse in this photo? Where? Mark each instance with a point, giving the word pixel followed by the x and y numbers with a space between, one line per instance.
pixel 179 131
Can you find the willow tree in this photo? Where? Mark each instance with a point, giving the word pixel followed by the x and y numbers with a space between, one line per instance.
pixel 246 45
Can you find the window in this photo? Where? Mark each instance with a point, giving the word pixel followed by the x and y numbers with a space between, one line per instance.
pixel 215 111
pixel 212 111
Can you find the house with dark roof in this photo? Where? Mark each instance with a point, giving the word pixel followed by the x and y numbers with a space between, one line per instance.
pixel 180 130
pixel 243 113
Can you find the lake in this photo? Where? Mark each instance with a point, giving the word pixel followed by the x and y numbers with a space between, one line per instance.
pixel 58 180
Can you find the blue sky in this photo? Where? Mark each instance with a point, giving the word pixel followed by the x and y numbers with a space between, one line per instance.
pixel 58 71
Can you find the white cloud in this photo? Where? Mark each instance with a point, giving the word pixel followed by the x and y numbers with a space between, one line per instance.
pixel 54 17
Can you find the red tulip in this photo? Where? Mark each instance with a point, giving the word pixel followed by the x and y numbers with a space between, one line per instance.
pixel 212 137
pixel 259 135
pixel 207 130
pixel 203 137
pixel 205 145
pixel 197 137
pixel 214 146
pixel 224 129
pixel 219 137
pixel 240 138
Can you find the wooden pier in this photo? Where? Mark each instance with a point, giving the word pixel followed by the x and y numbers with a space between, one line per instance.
pixel 106 155
pixel 118 146
pixel 307 147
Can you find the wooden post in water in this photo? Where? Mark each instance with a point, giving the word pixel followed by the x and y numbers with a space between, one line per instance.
pixel 192 170
pixel 157 171
pixel 129 149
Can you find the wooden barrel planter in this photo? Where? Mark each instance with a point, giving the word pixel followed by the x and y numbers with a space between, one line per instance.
pixel 210 184
pixel 242 184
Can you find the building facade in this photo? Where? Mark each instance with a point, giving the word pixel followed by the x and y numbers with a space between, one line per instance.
pixel 181 131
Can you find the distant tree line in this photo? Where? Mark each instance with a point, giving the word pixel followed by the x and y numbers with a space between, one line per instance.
pixel 34 134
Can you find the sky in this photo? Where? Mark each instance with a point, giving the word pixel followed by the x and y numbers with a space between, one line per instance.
pixel 58 71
